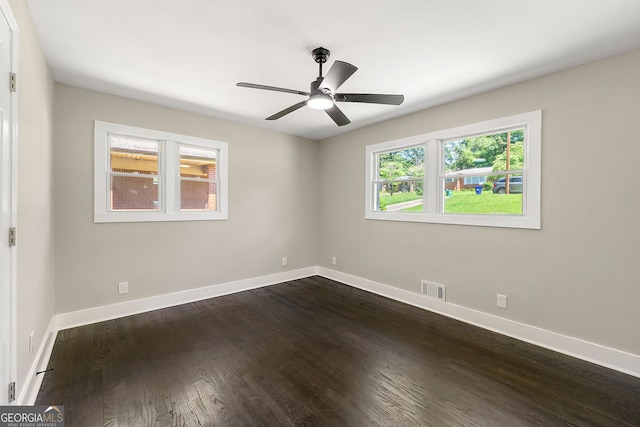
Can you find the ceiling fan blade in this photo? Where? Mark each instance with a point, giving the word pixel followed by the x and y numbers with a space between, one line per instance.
pixel 286 111
pixel 370 98
pixel 338 116
pixel 272 88
pixel 337 75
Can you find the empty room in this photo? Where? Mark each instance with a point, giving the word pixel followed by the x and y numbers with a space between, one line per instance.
pixel 189 240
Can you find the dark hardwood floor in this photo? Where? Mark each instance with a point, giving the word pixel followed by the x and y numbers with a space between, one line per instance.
pixel 316 352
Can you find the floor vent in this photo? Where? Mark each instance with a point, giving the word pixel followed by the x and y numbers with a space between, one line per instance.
pixel 434 290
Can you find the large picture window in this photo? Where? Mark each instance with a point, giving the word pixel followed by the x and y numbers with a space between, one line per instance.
pixel 484 174
pixel 146 175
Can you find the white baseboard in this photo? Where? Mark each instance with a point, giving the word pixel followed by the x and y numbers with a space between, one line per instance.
pixel 128 308
pixel 29 392
pixel 72 319
pixel 591 352
pixel 575 347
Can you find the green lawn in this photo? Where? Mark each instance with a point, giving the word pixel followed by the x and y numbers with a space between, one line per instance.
pixel 399 197
pixel 485 203
pixel 412 209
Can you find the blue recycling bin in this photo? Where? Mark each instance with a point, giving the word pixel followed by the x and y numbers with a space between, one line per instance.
pixel 478 189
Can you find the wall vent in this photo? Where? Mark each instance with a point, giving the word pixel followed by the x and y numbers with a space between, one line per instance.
pixel 434 290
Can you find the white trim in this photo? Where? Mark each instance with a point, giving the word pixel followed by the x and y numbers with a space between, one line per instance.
pixel 128 308
pixel 608 357
pixel 168 176
pixel 433 196
pixel 27 395
pixel 5 10
pixel 591 352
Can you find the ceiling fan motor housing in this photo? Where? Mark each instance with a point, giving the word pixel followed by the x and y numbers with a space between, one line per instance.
pixel 320 55
pixel 315 86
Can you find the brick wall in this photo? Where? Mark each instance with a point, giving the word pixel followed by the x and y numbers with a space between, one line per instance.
pixel 140 192
pixel 128 192
pixel 197 195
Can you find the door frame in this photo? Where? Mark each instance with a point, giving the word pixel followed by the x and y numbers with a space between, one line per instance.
pixel 7 14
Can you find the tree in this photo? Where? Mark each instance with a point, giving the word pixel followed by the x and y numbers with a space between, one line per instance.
pixel 391 170
pixel 403 163
pixel 458 156
pixel 465 153
pixel 454 152
pixel 414 157
pixel 516 159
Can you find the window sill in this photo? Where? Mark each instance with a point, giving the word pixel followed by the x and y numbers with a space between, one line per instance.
pixel 494 220
pixel 158 217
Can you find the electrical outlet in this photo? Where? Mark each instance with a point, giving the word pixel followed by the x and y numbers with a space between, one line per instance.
pixel 334 261
pixel 284 260
pixel 123 288
pixel 31 342
pixel 502 301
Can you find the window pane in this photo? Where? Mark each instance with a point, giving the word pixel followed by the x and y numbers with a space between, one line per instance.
pixel 399 192
pixel 403 196
pixel 492 197
pixel 198 162
pixel 198 195
pixel 134 193
pixel 401 164
pixel 133 155
pixel 471 160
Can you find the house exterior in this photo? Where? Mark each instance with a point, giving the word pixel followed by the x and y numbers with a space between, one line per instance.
pixel 466 179
pixel 134 182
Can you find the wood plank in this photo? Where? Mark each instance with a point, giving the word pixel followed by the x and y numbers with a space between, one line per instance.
pixel 317 352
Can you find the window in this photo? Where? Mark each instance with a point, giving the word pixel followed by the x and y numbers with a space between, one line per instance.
pixel 400 180
pixel 147 175
pixel 474 180
pixel 459 176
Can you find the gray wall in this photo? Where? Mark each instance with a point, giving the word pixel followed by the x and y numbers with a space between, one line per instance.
pixel 578 274
pixel 305 200
pixel 35 295
pixel 273 209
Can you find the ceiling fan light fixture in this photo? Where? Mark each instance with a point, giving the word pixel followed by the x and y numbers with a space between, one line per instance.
pixel 320 101
pixel 323 93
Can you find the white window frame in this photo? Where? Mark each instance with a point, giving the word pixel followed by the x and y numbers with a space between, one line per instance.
pixel 434 194
pixel 168 176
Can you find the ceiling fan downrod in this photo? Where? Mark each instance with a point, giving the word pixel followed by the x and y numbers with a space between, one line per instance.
pixel 320 55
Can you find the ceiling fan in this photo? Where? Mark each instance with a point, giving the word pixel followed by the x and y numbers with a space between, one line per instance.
pixel 322 94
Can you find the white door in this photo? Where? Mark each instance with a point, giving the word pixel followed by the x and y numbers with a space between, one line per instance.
pixel 7 205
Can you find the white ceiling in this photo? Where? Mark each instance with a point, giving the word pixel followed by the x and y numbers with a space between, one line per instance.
pixel 189 54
